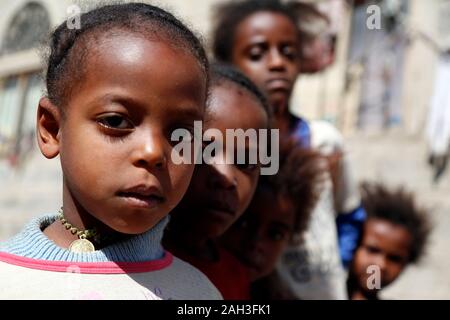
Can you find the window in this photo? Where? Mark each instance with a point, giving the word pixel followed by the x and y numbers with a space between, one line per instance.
pixel 20 93
pixel 27 29
pixel 19 97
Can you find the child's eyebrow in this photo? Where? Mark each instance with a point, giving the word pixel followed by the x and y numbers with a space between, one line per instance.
pixel 282 225
pixel 193 112
pixel 257 41
pixel 118 98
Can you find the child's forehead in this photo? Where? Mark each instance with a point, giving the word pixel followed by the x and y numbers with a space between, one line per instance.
pixel 125 41
pixel 381 223
pixel 122 49
pixel 266 21
pixel 107 47
pixel 122 69
pixel 377 228
pixel 269 196
pixel 228 97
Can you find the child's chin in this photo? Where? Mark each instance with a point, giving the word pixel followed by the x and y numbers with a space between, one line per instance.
pixel 137 224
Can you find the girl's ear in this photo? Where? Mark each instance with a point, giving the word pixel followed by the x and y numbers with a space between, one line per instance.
pixel 48 127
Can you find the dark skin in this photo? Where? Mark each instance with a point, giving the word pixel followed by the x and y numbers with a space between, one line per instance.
pixel 219 193
pixel 266 49
pixel 385 245
pixel 114 136
pixel 260 236
pixel 317 54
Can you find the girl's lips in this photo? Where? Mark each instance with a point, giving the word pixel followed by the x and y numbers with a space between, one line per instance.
pixel 142 196
pixel 278 84
pixel 139 201
pixel 228 207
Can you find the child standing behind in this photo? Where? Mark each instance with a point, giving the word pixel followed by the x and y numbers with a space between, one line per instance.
pixel 262 39
pixel 221 191
pixel 394 235
pixel 277 216
pixel 117 88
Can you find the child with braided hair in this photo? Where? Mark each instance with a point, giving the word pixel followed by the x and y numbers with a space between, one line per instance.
pixel 117 88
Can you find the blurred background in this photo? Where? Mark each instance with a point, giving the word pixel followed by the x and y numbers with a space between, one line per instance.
pixel 384 83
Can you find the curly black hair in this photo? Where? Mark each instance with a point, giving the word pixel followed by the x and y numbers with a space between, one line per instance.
pixel 229 15
pixel 222 72
pixel 70 47
pixel 398 207
pixel 301 179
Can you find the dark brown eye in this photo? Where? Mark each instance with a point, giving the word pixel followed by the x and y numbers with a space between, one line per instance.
pixel 277 235
pixel 115 122
pixel 248 163
pixel 396 259
pixel 247 166
pixel 372 249
pixel 290 52
pixel 255 53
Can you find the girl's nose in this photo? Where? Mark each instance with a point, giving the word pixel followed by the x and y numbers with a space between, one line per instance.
pixel 276 61
pixel 150 151
pixel 381 262
pixel 254 242
pixel 224 176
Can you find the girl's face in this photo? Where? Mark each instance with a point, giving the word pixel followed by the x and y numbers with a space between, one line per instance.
pixel 259 237
pixel 384 245
pixel 114 140
pixel 266 49
pixel 219 193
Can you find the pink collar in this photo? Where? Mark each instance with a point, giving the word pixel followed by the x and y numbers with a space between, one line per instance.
pixel 89 267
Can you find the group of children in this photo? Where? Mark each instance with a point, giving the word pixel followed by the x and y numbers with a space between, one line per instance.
pixel 116 90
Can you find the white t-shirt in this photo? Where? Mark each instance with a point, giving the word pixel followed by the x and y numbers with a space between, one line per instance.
pixel 166 279
pixel 313 269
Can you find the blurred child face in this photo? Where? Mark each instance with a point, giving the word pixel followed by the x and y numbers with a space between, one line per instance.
pixel 259 237
pixel 266 49
pixel 114 140
pixel 219 193
pixel 385 245
pixel 317 54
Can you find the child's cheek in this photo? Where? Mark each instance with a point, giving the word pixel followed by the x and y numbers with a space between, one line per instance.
pixel 246 189
pixel 180 176
pixel 361 262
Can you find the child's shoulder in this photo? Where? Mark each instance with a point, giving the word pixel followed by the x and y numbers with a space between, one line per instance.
pixel 193 280
pixel 178 280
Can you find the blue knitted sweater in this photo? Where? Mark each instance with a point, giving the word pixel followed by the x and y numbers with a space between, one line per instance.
pixel 32 243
